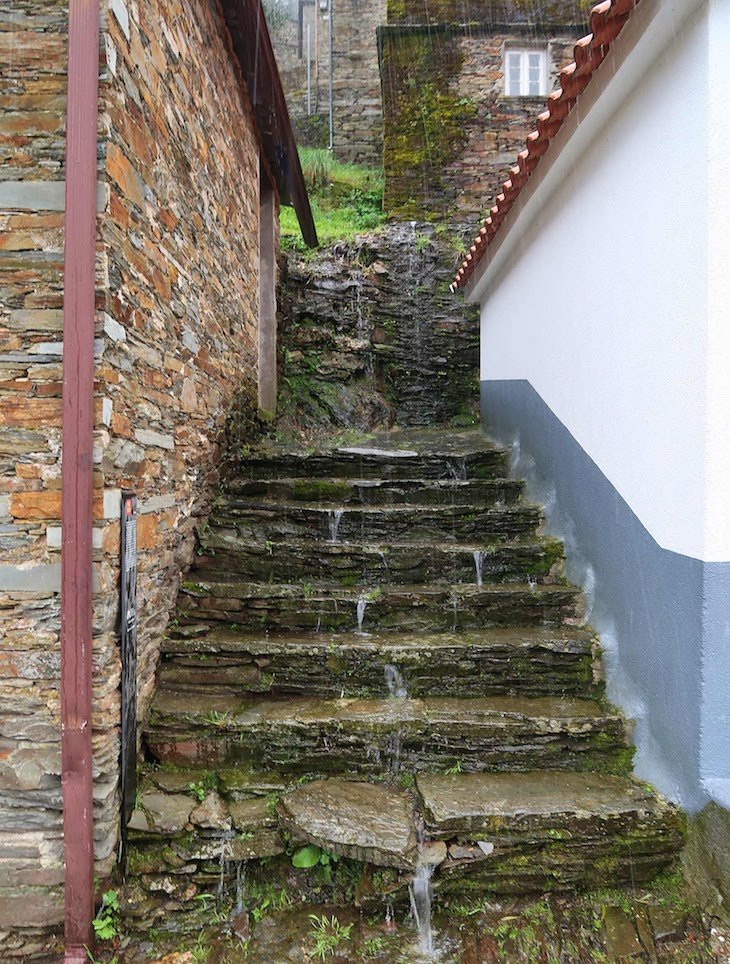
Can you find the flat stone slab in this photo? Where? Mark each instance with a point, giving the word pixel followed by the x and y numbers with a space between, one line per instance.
pixel 166 813
pixel 358 820
pixel 469 802
pixel 473 803
pixel 326 736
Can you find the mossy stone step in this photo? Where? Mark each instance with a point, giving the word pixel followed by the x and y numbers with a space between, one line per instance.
pixel 398 455
pixel 300 735
pixel 360 820
pixel 318 606
pixel 542 831
pixel 385 524
pixel 377 564
pixel 531 662
pixel 372 492
pixel 199 831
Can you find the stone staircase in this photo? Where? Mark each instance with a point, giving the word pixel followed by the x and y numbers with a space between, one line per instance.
pixel 378 667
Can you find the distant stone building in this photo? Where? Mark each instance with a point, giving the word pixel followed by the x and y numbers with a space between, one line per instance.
pixel 462 81
pixel 151 348
pixel 440 93
pixel 301 35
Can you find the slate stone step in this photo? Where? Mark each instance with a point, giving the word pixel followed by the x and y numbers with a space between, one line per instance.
pixel 371 492
pixel 531 662
pixel 379 564
pixel 302 735
pixel 304 606
pixel 264 522
pixel 397 455
pixel 498 833
pixel 363 821
pixel 515 833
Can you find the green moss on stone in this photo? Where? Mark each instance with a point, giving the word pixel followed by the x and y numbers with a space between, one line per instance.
pixel 426 118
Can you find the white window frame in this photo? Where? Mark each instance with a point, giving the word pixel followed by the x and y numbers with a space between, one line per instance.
pixel 524 54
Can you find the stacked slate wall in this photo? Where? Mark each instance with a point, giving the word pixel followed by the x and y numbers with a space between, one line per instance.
pixel 357 101
pixel 372 337
pixel 451 133
pixel 177 303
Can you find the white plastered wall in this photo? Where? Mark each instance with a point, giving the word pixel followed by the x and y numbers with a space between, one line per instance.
pixel 611 291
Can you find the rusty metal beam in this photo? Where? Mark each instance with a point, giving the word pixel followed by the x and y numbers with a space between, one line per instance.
pixel 77 478
pixel 252 46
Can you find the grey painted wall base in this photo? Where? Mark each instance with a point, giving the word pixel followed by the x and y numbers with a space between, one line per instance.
pixel 664 618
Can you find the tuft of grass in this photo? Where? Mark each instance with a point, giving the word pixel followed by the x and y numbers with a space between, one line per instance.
pixel 327 935
pixel 346 200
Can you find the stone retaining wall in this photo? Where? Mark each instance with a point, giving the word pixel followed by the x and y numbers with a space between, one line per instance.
pixel 177 276
pixel 371 335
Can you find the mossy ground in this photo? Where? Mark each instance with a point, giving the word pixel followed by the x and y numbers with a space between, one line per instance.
pixel 346 199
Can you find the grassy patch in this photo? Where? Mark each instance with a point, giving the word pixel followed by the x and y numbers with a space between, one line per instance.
pixel 346 199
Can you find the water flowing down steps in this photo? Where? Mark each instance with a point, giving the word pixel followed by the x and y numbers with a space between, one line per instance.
pixel 378 673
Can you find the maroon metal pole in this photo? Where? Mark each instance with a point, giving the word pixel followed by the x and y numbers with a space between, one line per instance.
pixel 77 479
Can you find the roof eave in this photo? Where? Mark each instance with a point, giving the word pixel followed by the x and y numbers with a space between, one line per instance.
pixel 251 45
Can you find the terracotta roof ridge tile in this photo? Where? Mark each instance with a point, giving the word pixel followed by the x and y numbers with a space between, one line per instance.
pixel 607 20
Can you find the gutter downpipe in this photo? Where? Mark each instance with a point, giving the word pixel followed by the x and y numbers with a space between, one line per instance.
pixel 77 475
pixel 331 90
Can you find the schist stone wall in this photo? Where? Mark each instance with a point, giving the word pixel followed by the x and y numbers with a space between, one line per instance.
pixel 177 302
pixel 306 91
pixel 358 108
pixel 372 337
pixel 451 132
pixel 357 102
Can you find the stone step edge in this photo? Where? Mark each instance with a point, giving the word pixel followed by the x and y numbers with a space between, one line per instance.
pixel 321 589
pixel 581 640
pixel 170 809
pixel 224 713
pixel 371 547
pixel 242 482
pixel 322 508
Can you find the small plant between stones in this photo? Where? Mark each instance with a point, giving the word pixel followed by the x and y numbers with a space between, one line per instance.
pixel 106 922
pixel 327 933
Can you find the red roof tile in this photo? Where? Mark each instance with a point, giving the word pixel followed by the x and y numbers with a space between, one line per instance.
pixel 606 22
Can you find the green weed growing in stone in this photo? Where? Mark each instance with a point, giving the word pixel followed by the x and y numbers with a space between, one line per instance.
pixel 373 946
pixel 268 898
pixel 106 922
pixel 198 790
pixel 215 718
pixel 327 934
pixel 453 770
pixel 200 951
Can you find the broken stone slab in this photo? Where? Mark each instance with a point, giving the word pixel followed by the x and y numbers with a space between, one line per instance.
pixel 167 813
pixel 667 923
pixel 433 853
pixel 358 820
pixel 241 783
pixel 212 813
pixel 231 847
pixel 471 803
pixel 174 781
pixel 251 815
pixel 619 935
